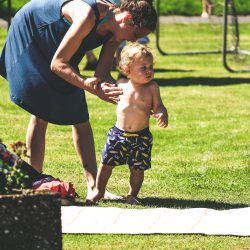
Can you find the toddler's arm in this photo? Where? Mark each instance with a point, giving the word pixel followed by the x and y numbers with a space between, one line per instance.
pixel 160 112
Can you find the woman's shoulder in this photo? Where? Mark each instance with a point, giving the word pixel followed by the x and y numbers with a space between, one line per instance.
pixel 74 9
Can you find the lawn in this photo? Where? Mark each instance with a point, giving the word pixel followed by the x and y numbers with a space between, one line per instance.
pixel 170 7
pixel 200 160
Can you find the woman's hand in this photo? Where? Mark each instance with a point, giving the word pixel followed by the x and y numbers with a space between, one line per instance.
pixel 91 83
pixel 108 92
pixel 109 79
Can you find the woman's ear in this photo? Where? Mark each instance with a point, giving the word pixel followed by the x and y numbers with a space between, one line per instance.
pixel 127 18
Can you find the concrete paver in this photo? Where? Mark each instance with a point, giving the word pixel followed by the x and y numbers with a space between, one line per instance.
pixel 198 19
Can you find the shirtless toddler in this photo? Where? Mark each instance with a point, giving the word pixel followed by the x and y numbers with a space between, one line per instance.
pixel 130 141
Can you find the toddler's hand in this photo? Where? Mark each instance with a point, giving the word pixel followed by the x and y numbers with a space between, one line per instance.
pixel 162 119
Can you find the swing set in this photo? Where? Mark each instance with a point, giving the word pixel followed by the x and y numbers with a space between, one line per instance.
pixel 230 20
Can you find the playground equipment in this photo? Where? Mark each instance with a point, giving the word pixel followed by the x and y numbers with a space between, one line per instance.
pixel 231 27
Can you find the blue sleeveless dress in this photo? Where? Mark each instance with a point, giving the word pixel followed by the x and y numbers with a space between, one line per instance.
pixel 34 36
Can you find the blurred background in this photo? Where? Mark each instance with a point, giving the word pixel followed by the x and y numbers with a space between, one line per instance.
pixel 167 7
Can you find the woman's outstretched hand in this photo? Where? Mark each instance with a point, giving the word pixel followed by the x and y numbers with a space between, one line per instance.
pixel 108 92
pixel 92 83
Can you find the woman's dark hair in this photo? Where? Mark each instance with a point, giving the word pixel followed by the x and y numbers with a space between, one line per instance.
pixel 142 11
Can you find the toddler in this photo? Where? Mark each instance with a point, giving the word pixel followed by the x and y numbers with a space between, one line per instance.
pixel 130 140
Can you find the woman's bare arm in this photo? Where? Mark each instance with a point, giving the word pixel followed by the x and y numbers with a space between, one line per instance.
pixel 106 61
pixel 82 18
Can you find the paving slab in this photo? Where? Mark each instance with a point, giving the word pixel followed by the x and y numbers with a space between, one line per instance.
pixel 3 23
pixel 198 19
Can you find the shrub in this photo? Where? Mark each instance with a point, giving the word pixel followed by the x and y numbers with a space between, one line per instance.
pixel 12 178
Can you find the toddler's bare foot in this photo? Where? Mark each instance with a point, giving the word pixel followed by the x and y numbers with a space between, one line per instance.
pixel 132 200
pixel 113 197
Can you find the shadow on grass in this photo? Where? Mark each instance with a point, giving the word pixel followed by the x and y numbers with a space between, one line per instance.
pixel 160 70
pixel 205 81
pixel 156 202
pixel 192 81
pixel 182 204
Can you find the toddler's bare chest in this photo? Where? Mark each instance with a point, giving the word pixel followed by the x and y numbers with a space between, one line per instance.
pixel 141 100
pixel 143 95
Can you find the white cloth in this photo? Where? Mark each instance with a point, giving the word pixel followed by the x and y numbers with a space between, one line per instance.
pixel 111 220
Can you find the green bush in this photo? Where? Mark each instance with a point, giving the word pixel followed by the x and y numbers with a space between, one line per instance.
pixel 167 7
pixel 12 177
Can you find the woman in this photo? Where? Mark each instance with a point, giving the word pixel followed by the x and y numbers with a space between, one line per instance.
pixel 45 43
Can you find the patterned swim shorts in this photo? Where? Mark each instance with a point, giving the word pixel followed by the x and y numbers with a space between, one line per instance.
pixel 131 148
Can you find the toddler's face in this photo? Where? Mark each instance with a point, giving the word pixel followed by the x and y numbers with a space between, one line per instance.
pixel 141 70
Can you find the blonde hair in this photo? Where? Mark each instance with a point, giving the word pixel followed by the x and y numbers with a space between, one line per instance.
pixel 131 52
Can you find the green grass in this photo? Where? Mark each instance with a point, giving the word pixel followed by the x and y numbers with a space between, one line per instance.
pixel 167 7
pixel 201 160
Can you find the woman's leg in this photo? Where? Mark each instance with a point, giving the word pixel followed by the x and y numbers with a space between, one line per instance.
pixel 35 142
pixel 84 144
pixel 91 61
pixel 209 7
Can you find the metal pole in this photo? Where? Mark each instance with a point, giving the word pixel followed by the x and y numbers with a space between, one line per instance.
pixel 176 53
pixel 235 49
pixel 224 49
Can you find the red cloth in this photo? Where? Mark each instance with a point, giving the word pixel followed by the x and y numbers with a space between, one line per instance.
pixel 65 188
